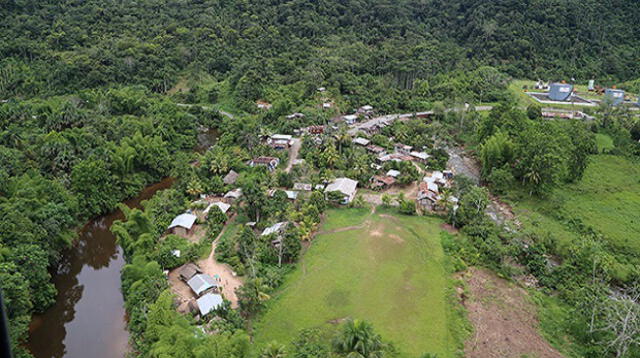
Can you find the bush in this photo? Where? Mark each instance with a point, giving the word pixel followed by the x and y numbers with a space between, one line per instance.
pixel 500 180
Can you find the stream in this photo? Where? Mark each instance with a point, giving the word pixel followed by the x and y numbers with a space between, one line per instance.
pixel 88 318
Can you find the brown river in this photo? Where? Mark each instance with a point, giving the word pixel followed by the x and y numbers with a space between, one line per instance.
pixel 88 319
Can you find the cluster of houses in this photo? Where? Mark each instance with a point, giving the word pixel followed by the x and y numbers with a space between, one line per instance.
pixel 430 191
pixel 401 153
pixel 205 288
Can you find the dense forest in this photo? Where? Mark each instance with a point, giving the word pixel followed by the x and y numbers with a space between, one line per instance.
pixel 53 47
pixel 85 122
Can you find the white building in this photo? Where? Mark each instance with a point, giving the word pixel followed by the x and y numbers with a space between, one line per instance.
pixel 345 186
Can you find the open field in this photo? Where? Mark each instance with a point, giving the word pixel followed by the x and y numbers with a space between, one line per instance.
pixel 388 271
pixel 606 199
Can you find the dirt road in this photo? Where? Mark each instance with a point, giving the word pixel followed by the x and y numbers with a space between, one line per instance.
pixel 293 153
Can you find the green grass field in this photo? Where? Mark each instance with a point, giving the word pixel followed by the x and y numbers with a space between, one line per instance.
pixel 607 199
pixel 390 272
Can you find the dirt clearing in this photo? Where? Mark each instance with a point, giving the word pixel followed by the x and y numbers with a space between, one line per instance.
pixel 504 321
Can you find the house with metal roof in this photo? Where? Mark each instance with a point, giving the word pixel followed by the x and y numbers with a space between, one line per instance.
pixel 201 283
pixel 182 224
pixel 420 156
pixel 278 228
pixel 209 302
pixel 361 141
pixel 345 186
pixel 302 186
pixel 224 207
pixel 233 194
pixel 393 173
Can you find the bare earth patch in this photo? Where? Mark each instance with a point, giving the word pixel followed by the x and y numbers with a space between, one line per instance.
pixel 504 321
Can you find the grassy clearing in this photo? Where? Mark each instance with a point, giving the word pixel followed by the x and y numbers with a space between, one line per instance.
pixel 391 273
pixel 606 199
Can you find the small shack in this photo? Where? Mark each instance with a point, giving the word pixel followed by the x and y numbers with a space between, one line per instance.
pixel 182 224
pixel 188 271
pixel 560 91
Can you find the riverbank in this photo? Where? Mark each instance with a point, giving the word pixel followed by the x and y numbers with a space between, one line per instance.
pixel 88 318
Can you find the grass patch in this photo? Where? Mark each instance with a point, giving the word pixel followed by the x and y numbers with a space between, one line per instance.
pixel 390 272
pixel 606 199
pixel 343 217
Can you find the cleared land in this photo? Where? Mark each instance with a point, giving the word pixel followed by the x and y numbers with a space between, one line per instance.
pixel 505 321
pixel 388 270
pixel 607 199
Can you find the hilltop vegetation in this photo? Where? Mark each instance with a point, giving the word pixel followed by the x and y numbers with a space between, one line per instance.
pixel 370 51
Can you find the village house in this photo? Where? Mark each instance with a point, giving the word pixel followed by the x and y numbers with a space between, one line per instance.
pixel 350 119
pixel 230 178
pixel 427 199
pixel 224 207
pixel 315 129
pixel 277 230
pixel 395 157
pixel 302 186
pixel 295 115
pixel 202 283
pixel 234 194
pixel 361 141
pixel 421 157
pixel 382 182
pixel 209 302
pixel 366 110
pixel 188 271
pixel 182 224
pixel 376 150
pixel 270 162
pixel 403 148
pixel 393 173
pixel 291 195
pixel 280 141
pixel 346 187
pixel 263 105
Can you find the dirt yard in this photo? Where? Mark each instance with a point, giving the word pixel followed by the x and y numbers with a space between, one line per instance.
pixel 505 323
pixel 228 280
pixel 183 293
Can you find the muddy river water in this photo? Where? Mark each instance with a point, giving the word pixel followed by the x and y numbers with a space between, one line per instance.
pixel 88 319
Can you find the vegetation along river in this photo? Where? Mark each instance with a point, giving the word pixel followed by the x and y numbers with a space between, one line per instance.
pixel 88 318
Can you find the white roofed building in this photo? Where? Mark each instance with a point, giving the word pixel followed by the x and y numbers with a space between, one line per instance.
pixel 182 224
pixel 345 186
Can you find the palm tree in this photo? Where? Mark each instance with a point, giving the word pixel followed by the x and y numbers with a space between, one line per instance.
pixel 273 350
pixel 358 340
